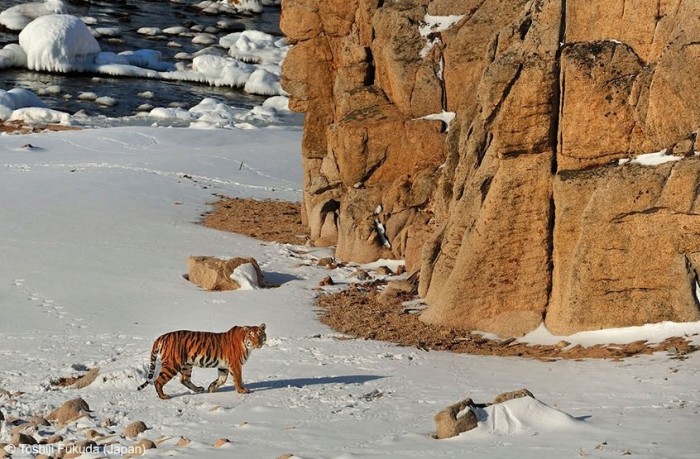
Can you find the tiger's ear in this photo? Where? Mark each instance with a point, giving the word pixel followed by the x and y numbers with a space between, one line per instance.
pixel 262 326
pixel 245 329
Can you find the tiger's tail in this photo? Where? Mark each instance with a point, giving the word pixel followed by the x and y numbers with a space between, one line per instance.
pixel 152 369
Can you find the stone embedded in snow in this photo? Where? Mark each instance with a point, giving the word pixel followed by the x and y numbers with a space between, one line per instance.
pixel 134 429
pixel 452 421
pixel 504 397
pixel 58 43
pixel 217 274
pixel 69 411
pixel 511 413
pixel 22 439
pixel 140 448
pixel 221 442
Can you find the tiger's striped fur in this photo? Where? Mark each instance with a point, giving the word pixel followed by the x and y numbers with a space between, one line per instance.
pixel 181 350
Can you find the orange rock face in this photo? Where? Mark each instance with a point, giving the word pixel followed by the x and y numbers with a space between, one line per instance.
pixel 515 212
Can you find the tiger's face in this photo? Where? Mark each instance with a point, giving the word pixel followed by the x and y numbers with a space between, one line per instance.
pixel 255 337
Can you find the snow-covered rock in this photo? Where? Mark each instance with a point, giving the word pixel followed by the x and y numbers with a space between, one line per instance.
pixel 58 43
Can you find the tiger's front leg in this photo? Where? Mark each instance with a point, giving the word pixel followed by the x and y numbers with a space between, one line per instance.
pixel 237 372
pixel 218 382
pixel 186 379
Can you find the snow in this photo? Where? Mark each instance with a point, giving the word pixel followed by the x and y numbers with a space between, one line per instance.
pixel 246 276
pixel 432 25
pixel 17 17
pixel 651 159
pixel 445 117
pixel 64 43
pixel 97 225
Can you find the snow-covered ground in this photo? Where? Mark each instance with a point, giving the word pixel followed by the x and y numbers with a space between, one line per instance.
pixel 96 226
pixel 96 229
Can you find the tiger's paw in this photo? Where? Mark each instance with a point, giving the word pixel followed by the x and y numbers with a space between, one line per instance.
pixel 199 390
pixel 164 396
pixel 243 390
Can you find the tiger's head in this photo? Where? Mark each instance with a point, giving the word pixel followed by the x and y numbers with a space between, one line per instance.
pixel 254 337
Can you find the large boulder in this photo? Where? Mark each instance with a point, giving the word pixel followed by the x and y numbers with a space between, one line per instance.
pixel 515 211
pixel 213 273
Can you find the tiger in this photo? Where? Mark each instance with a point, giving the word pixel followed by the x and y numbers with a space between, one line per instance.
pixel 181 350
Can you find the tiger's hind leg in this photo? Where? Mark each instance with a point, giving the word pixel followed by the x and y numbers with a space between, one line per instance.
pixel 186 379
pixel 167 371
pixel 218 382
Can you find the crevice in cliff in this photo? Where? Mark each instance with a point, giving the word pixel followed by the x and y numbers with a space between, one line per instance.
pixel 550 254
pixel 557 142
pixel 374 168
pixel 506 92
pixel 694 284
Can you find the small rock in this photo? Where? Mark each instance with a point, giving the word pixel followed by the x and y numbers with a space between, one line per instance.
pixel 39 421
pixel 328 262
pixel 92 434
pixel 562 344
pixel 395 290
pixel 286 456
pixel 162 439
pixel 22 439
pixel 504 397
pixel 134 429
pixel 360 274
pixel 326 281
pixel 140 448
pixel 448 424
pixel 221 442
pixel 69 411
pixel 54 439
pixel 183 442
pixel 384 271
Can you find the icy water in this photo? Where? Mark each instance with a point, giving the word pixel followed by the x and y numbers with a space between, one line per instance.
pixel 128 16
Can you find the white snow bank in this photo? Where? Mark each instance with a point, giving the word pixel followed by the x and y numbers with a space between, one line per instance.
pixel 445 117
pixel 651 159
pixel 524 415
pixel 38 116
pixel 17 98
pixel 58 43
pixel 246 276
pixel 431 26
pixel 653 333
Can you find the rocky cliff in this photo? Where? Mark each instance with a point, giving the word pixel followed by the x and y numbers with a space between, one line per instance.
pixel 500 148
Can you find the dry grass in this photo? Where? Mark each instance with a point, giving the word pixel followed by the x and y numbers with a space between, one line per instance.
pixel 267 220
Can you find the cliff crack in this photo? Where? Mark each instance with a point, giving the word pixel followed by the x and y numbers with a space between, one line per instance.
pixel 506 92
pixel 694 284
